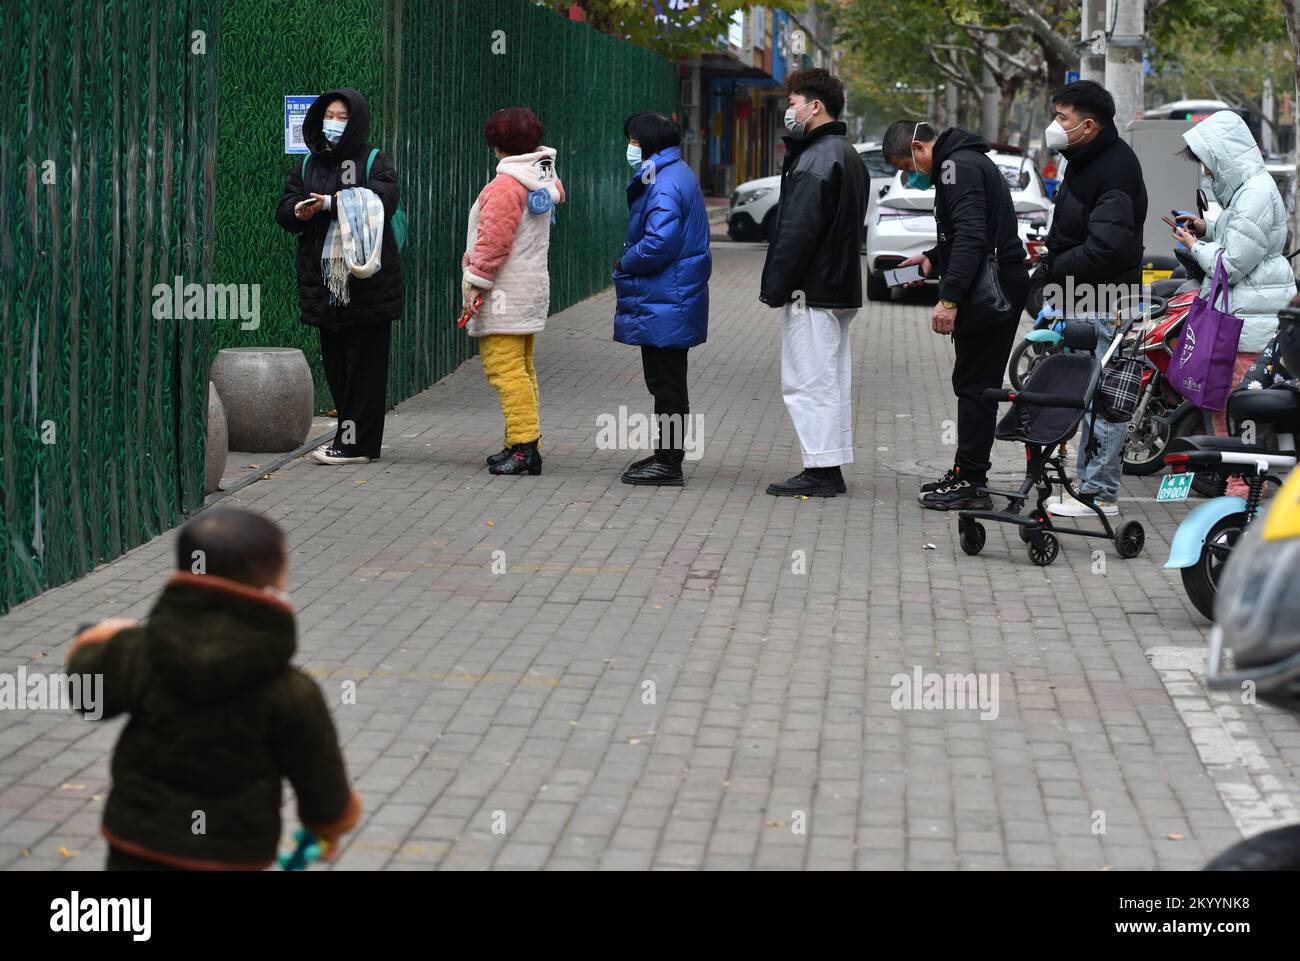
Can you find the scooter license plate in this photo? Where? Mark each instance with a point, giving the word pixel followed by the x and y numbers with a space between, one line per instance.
pixel 1175 487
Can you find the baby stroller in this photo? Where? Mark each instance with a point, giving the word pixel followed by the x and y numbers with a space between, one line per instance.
pixel 1043 416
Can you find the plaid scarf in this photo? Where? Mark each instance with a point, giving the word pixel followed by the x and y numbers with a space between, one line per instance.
pixel 352 245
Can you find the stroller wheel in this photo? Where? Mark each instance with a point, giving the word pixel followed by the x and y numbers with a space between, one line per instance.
pixel 1043 548
pixel 972 536
pixel 1026 533
pixel 1130 540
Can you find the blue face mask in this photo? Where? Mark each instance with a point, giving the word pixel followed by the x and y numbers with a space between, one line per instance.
pixel 333 129
pixel 915 179
pixel 633 156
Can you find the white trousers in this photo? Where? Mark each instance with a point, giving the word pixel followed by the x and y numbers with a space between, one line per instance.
pixel 817 382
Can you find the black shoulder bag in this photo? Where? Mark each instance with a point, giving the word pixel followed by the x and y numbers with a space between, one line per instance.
pixel 986 299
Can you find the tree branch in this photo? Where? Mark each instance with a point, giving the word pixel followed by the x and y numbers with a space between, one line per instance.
pixel 980 28
pixel 1058 44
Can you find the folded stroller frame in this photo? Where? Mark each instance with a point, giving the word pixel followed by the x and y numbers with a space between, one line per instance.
pixel 1043 417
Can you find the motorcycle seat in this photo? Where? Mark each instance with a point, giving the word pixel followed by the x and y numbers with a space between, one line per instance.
pixel 1167 287
pixel 1213 442
pixel 1272 405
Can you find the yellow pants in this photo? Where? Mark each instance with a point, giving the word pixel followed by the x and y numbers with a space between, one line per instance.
pixel 508 364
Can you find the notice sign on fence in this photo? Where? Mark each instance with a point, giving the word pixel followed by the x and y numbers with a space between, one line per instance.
pixel 295 110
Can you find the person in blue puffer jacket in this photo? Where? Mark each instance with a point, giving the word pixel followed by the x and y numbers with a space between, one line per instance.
pixel 662 282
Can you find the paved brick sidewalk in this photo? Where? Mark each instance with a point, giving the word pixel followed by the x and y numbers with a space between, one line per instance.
pixel 517 702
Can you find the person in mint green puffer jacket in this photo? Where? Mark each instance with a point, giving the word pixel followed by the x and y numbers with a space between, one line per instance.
pixel 1250 232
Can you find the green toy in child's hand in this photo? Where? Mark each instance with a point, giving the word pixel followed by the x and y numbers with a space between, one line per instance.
pixel 307 848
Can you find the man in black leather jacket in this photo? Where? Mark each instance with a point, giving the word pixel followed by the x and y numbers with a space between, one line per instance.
pixel 975 217
pixel 813 273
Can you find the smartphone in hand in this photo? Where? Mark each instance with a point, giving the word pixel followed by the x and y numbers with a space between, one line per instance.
pixel 306 202
pixel 903 275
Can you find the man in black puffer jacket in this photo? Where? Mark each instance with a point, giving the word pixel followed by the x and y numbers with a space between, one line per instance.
pixel 354 338
pixel 813 273
pixel 1093 260
pixel 975 216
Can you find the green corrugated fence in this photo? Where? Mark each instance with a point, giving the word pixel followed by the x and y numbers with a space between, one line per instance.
pixel 107 152
pixel 145 142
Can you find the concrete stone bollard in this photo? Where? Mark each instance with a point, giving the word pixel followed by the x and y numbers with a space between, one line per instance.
pixel 268 397
pixel 218 445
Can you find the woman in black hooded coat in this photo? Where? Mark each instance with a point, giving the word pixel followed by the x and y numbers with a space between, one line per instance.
pixel 354 338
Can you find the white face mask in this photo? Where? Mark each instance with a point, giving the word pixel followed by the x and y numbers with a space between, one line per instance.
pixel 333 129
pixel 1057 137
pixel 796 127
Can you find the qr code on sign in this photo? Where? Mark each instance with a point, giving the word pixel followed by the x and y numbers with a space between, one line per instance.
pixel 296 133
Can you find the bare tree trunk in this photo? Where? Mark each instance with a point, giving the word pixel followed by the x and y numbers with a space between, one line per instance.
pixel 989 100
pixel 1005 102
pixel 1266 114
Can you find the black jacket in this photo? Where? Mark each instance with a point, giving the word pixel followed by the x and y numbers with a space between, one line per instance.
pixel 819 223
pixel 372 299
pixel 218 717
pixel 1101 205
pixel 971 201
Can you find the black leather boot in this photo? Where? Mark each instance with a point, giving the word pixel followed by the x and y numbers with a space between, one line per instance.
pixel 499 457
pixel 664 469
pixel 523 459
pixel 811 482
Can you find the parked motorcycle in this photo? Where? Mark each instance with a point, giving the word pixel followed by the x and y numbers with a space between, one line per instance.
pixel 1206 538
pixel 1043 340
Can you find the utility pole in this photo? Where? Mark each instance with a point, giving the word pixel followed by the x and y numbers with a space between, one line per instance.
pixel 1124 45
pixel 1092 43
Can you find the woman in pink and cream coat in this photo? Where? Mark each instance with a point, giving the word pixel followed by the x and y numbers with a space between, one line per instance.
pixel 505 278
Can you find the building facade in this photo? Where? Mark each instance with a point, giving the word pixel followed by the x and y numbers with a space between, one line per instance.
pixel 733 99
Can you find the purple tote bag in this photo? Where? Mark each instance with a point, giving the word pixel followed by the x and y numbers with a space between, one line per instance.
pixel 1201 369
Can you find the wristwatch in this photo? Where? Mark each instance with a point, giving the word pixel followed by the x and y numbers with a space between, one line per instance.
pixel 949 304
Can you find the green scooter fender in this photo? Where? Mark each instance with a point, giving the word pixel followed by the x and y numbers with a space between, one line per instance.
pixel 1044 337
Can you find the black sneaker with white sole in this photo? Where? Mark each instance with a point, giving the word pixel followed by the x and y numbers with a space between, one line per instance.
pixel 949 478
pixel 958 496
pixel 332 455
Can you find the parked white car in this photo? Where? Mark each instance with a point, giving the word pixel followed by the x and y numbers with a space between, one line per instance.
pixel 753 204
pixel 901 224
